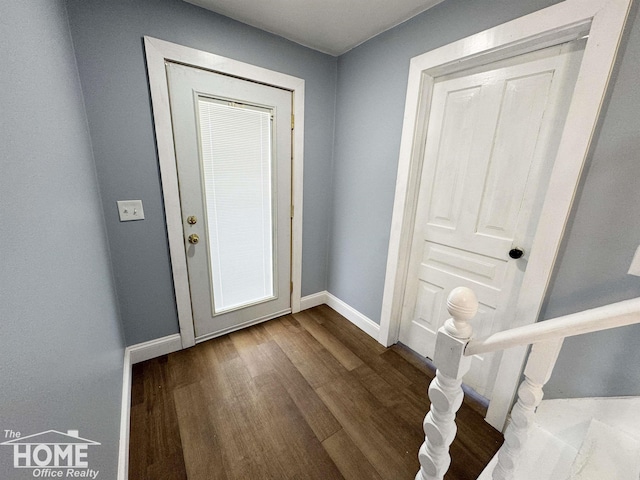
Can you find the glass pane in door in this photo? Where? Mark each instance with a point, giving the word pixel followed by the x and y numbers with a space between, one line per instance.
pixel 236 156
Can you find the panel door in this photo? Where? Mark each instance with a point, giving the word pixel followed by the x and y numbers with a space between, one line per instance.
pixel 491 139
pixel 233 155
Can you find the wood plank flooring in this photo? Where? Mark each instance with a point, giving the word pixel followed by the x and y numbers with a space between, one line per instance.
pixel 305 396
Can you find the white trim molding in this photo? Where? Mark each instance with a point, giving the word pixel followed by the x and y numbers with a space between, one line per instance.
pixel 125 418
pixel 132 355
pixel 157 53
pixel 360 320
pixel 603 22
pixel 313 300
pixel 154 348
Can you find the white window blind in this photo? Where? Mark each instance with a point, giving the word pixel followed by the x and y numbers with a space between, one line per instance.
pixel 236 149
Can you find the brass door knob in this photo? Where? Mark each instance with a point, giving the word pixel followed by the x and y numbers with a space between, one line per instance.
pixel 194 238
pixel 192 220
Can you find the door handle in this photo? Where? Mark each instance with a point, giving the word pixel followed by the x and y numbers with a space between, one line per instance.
pixel 516 253
pixel 194 238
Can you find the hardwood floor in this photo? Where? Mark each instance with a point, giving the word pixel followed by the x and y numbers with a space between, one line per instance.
pixel 305 396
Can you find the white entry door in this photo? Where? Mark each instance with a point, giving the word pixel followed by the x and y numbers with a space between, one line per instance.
pixel 233 154
pixel 492 135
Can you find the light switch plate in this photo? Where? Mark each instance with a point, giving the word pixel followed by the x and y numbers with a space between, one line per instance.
pixel 130 210
pixel 634 269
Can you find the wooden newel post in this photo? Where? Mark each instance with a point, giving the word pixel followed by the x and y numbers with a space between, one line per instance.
pixel 445 391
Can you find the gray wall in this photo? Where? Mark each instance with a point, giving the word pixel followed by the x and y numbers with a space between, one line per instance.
pixel 61 345
pixel 603 234
pixel 108 40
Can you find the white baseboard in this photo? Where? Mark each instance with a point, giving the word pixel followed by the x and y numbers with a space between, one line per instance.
pixel 361 321
pixel 125 418
pixel 154 348
pixel 354 316
pixel 313 300
pixel 136 354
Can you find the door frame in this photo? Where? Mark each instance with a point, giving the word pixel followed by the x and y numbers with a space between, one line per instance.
pixel 158 52
pixel 603 21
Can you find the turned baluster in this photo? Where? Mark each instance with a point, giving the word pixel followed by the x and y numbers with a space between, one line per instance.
pixel 445 391
pixel 540 364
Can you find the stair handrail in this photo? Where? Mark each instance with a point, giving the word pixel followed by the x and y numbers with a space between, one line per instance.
pixel 609 316
pixel 452 358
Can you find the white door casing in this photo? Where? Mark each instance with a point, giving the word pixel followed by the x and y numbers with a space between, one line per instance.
pixel 492 136
pixel 603 22
pixel 157 53
pixel 233 154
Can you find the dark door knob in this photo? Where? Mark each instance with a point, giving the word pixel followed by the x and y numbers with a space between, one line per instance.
pixel 516 252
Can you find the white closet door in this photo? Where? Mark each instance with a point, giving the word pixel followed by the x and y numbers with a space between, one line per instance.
pixel 492 135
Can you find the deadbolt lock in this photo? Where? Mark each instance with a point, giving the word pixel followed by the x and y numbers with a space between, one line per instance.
pixel 192 220
pixel 193 238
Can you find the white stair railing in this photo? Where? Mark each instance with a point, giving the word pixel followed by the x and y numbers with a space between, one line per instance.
pixel 540 364
pixel 454 348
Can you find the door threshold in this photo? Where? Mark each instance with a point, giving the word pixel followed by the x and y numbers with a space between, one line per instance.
pixel 234 328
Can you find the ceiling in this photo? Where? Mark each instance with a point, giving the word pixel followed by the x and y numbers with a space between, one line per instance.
pixel 330 26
